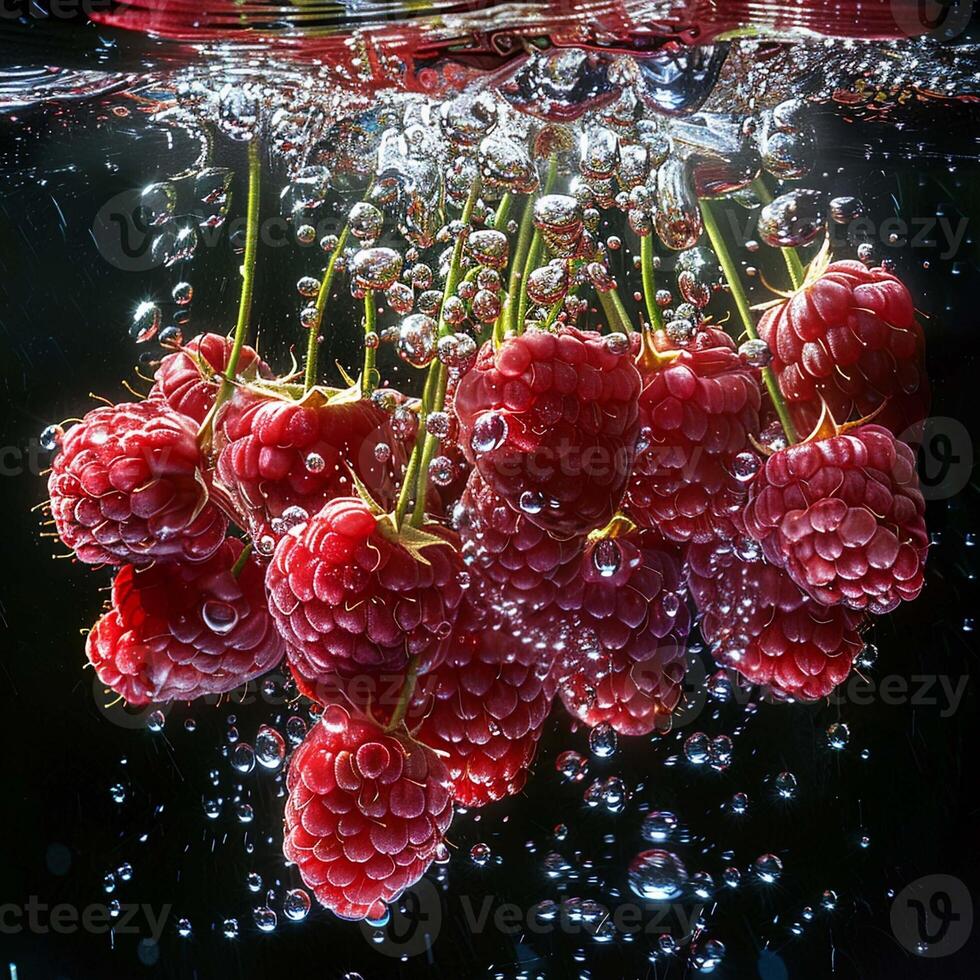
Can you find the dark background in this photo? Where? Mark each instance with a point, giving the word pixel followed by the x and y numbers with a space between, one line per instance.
pixel 64 314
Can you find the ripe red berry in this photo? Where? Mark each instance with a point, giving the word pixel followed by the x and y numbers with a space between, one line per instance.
pixel 849 337
pixel 127 486
pixel 351 597
pixel 757 621
pixel 484 710
pixel 366 814
pixel 844 515
pixel 180 631
pixel 281 460
pixel 188 380
pixel 516 564
pixel 624 652
pixel 697 413
pixel 550 422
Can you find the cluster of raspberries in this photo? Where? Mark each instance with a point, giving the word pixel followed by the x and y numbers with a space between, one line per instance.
pixel 610 492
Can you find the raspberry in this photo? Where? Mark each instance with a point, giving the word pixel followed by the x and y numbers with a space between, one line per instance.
pixel 550 422
pixel 624 657
pixel 188 381
pixel 756 620
pixel 489 702
pixel 281 460
pixel 843 515
pixel 178 631
pixel 350 596
pixel 849 336
pixel 127 487
pixel 366 814
pixel 697 412
pixel 519 564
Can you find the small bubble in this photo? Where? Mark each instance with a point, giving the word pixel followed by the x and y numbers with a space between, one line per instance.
pixel 603 741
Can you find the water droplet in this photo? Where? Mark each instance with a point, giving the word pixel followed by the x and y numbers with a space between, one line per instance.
pixel 270 747
pixel 417 340
pixel 480 854
pixel 838 735
pixel 489 433
pixel 296 904
pixel 657 875
pixel 51 437
pixel 242 758
pixel 265 918
pixel 146 322
pixel 572 765
pixel 768 868
pixel 156 720
pixel 603 741
pixel 786 785
pixel 366 221
pixel 697 748
pixel 219 617
pixel 792 219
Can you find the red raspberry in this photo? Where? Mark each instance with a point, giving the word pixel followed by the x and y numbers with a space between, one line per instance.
pixel 697 412
pixel 485 709
pixel 188 381
pixel 351 598
pixel 843 515
pixel 519 564
pixel 624 656
pixel 756 620
pixel 281 460
pixel 550 422
pixel 127 487
pixel 366 814
pixel 177 631
pixel 849 336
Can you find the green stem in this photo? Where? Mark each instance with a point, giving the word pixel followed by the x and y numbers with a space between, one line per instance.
pixel 313 345
pixel 502 212
pixel 654 313
pixel 248 273
pixel 553 314
pixel 536 248
pixel 509 313
pixel 236 569
pixel 615 312
pixel 745 313
pixel 434 395
pixel 370 317
pixel 794 264
pixel 405 697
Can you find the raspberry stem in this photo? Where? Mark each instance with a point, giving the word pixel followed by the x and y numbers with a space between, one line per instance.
pixel 434 394
pixel 241 560
pixel 794 264
pixel 313 345
pixel 536 248
pixel 370 318
pixel 323 294
pixel 745 313
pixel 615 312
pixel 654 313
pixel 248 276
pixel 405 697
